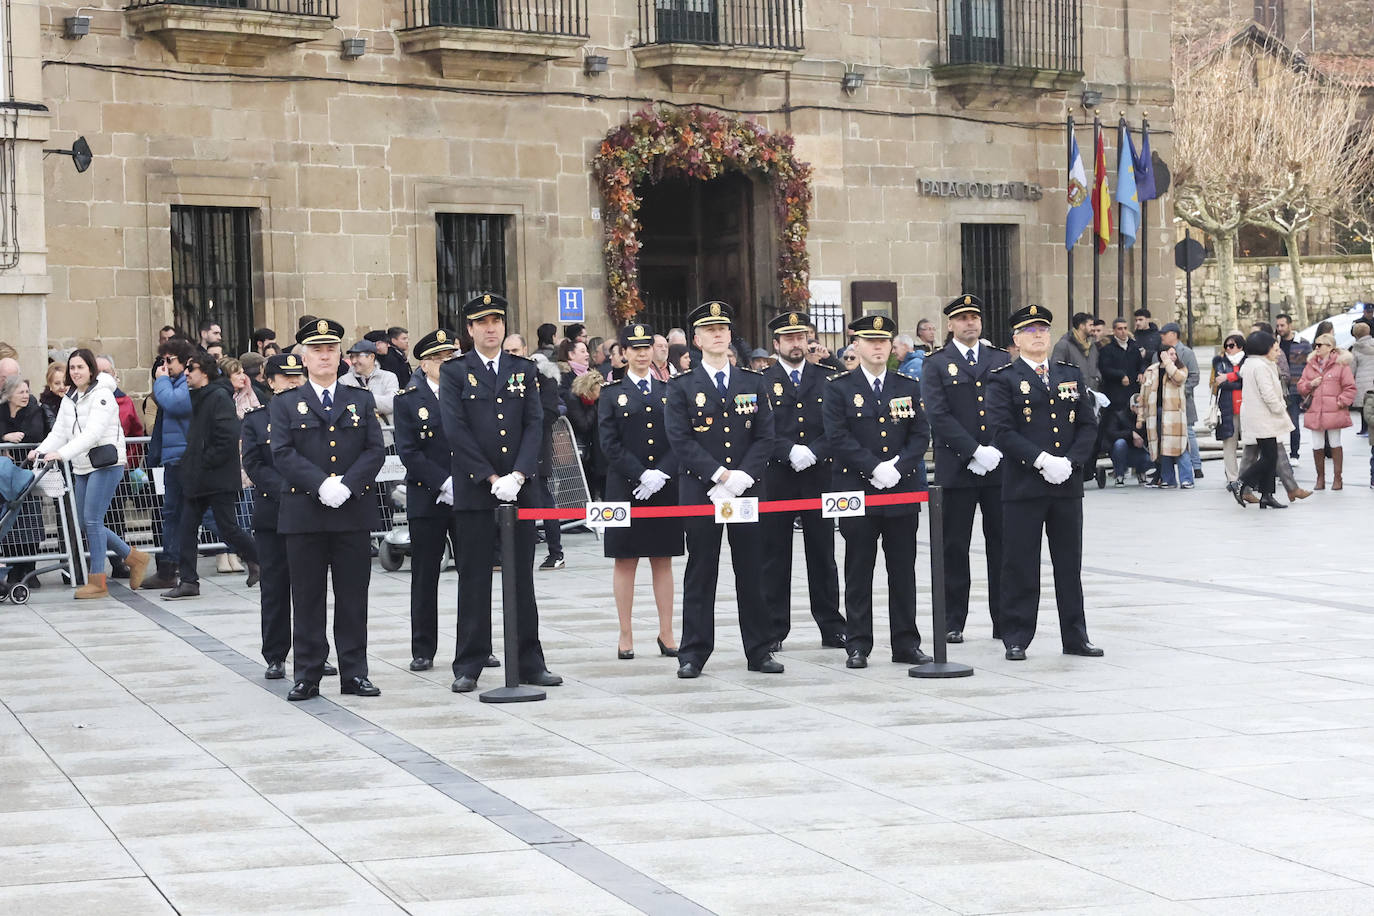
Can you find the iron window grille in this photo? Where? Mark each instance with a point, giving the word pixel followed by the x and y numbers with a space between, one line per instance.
pixel 470 251
pixel 773 24
pixel 1035 34
pixel 329 8
pixel 547 17
pixel 986 253
pixel 212 271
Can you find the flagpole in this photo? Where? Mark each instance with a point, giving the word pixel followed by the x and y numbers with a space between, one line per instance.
pixel 1068 151
pixel 1144 228
pixel 1097 257
pixel 1121 129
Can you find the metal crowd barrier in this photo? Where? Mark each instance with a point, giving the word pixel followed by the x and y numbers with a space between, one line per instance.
pixel 45 531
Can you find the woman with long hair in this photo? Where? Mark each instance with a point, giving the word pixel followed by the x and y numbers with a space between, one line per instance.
pixel 1329 382
pixel 1163 408
pixel 88 421
pixel 1263 417
pixel 1226 387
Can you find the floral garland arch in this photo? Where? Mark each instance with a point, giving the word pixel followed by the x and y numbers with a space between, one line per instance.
pixel 694 143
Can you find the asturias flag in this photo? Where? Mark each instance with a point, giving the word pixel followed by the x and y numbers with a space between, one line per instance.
pixel 1102 199
pixel 1145 168
pixel 1080 208
pixel 1125 185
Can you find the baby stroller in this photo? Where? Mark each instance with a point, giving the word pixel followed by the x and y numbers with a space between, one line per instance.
pixel 16 485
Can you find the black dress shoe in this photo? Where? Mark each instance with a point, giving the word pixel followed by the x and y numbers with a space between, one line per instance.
pixel 421 664
pixel 775 646
pixel 624 654
pixel 1016 654
pixel 359 686
pixel 330 670
pixel 834 641
pixel 665 651
pixel 464 684
pixel 184 590
pixel 914 657
pixel 688 670
pixel 1198 475
pixel 767 665
pixel 1087 649
pixel 856 659
pixel 254 574
pixel 275 671
pixel 303 690
pixel 544 679
pixel 492 662
pixel 954 636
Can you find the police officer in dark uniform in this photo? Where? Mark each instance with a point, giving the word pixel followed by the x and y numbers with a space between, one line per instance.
pixel 721 427
pixel 641 468
pixel 283 372
pixel 492 417
pixel 1043 422
pixel 327 445
pixel 954 388
pixel 424 450
pixel 878 437
pixel 799 468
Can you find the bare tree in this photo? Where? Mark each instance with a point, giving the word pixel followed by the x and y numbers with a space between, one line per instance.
pixel 1261 139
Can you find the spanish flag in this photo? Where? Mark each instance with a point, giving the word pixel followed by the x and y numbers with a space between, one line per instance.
pixel 1102 198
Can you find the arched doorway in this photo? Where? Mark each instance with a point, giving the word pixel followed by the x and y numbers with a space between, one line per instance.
pixel 698 239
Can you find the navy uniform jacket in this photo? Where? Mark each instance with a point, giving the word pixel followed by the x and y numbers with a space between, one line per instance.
pixel 423 449
pixel 956 404
pixel 257 464
pixel 708 432
pixel 798 415
pixel 1028 419
pixel 865 429
pixel 310 444
pixel 634 435
pixel 494 426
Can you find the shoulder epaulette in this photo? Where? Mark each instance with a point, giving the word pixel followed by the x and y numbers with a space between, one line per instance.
pixel 255 409
pixel 407 390
pixel 1060 362
pixel 1000 368
pixel 841 374
pixel 747 369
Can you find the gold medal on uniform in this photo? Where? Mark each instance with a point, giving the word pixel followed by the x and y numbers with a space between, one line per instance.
pixel 622 400
pixel 953 369
pixel 701 399
pixel 422 413
pixel 300 407
pixel 472 380
pixel 1026 411
pixel 1025 387
pixel 858 400
pixel 777 389
pixel 1073 415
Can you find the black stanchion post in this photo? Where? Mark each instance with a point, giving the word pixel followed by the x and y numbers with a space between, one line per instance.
pixel 940 667
pixel 514 691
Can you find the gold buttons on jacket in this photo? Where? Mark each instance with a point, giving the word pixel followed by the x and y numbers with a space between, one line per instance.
pixel 651 442
pixel 332 443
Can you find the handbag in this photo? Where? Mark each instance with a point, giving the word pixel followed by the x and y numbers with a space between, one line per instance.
pixel 1214 413
pixel 100 456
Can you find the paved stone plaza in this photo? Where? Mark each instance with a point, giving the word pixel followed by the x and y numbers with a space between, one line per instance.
pixel 1220 759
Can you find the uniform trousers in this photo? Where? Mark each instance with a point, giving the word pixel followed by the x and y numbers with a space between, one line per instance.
pixel 221 505
pixel 477 532
pixel 959 505
pixel 315 556
pixel 1023 521
pixel 428 535
pixel 818 542
pixel 274 595
pixel 898 533
pixel 699 591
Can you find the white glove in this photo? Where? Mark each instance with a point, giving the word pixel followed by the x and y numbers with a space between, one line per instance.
pixel 507 488
pixel 333 492
pixel 1102 399
pixel 717 493
pixel 650 482
pixel 801 457
pixel 976 467
pixel 1054 469
pixel 886 475
pixel 988 457
pixel 737 483
pixel 446 493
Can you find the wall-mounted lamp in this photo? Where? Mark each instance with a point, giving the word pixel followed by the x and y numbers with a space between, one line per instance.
pixel 74 27
pixel 851 81
pixel 352 48
pixel 80 153
pixel 593 64
pixel 1091 98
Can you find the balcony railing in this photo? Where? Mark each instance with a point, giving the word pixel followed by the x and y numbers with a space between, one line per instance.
pixel 327 8
pixel 1030 34
pixel 775 24
pixel 547 17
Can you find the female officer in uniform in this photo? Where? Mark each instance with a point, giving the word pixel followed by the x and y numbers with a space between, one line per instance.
pixel 642 467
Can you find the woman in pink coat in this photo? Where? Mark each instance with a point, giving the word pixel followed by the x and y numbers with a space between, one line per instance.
pixel 1328 381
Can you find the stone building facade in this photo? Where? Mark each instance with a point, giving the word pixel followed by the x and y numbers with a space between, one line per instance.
pixel 247 170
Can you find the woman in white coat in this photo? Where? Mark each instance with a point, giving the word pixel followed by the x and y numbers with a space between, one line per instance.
pixel 87 419
pixel 1263 417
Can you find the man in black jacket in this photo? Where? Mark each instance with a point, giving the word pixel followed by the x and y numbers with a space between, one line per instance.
pixel 1120 362
pixel 210 474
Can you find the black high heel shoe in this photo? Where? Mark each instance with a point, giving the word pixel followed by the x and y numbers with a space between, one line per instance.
pixel 1267 501
pixel 624 654
pixel 1238 491
pixel 664 650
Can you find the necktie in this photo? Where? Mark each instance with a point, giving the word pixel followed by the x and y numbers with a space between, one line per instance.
pixel 877 386
pixel 796 378
pixel 327 401
pixel 972 358
pixel 720 382
pixel 491 367
pixel 1043 373
pixel 644 386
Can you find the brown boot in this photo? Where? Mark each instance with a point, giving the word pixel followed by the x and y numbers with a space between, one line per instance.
pixel 137 561
pixel 1337 464
pixel 1319 460
pixel 1299 493
pixel 94 587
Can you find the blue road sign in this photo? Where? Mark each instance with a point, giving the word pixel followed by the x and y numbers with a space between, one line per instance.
pixel 570 305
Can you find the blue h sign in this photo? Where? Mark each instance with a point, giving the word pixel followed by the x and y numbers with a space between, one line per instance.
pixel 570 307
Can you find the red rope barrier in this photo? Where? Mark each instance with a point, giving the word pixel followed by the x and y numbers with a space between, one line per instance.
pixel 780 505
